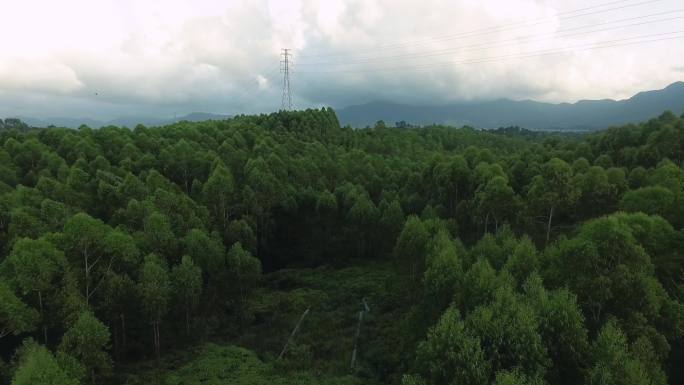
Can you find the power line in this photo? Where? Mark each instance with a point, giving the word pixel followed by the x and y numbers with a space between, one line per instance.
pixel 567 15
pixel 581 47
pixel 286 66
pixel 492 44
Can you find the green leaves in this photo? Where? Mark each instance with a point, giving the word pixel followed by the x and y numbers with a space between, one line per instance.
pixel 614 364
pixel 35 264
pixel 498 200
pixel 205 250
pixel 155 287
pixel 220 194
pixel 155 292
pixel 452 355
pixel 86 340
pixel 15 316
pixel 412 246
pixel 186 281
pixel 37 366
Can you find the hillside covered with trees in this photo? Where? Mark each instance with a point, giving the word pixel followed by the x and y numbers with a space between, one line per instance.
pixel 285 249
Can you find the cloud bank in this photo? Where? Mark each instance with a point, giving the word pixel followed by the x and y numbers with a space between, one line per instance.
pixel 108 58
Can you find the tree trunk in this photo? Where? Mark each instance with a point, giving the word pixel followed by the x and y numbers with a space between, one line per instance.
pixel 548 226
pixel 155 330
pixel 158 341
pixel 187 320
pixel 87 276
pixel 486 223
pixel 42 316
pixel 123 331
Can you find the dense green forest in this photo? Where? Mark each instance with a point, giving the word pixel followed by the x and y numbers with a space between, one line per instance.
pixel 285 249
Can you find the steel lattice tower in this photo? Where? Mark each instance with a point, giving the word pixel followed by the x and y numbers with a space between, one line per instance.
pixel 285 69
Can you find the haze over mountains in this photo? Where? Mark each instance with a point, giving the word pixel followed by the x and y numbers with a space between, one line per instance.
pixel 127 121
pixel 583 115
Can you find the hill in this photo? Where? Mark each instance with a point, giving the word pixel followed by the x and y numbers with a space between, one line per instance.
pixel 582 115
pixel 126 121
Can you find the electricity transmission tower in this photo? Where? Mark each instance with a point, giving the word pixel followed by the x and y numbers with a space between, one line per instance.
pixel 285 69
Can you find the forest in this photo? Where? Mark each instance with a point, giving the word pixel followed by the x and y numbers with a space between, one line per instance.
pixel 285 249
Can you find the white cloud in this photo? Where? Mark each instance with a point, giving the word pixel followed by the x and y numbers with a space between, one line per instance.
pixel 165 56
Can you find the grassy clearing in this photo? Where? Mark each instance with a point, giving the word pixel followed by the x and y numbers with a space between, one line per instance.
pixel 320 353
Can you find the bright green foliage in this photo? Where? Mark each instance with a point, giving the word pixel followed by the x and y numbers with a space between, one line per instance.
pixel 443 276
pixel 496 201
pixel 86 340
pixel 158 234
pixel 479 285
pixel 245 272
pixel 452 355
pixel 506 377
pixel 523 262
pixel 155 293
pixel 553 191
pixel 207 251
pixel 37 366
pixel 186 281
pixel 220 195
pixel 508 329
pixel 34 265
pixel 408 379
pixel 605 264
pixel 412 246
pixel 84 241
pixel 655 200
pixel 15 316
pixel 495 248
pixel 561 326
pixel 614 364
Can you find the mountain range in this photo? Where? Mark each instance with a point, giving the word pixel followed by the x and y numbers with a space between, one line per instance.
pixel 129 121
pixel 582 115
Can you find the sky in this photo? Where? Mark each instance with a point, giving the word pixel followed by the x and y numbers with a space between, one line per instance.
pixel 104 59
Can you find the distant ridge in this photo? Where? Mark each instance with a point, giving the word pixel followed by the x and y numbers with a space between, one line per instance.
pixel 582 115
pixel 130 121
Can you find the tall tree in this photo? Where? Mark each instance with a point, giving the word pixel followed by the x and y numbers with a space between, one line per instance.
pixel 497 200
pixel 37 366
pixel 614 364
pixel 86 340
pixel 15 316
pixel 452 355
pixel 412 246
pixel 186 281
pixel 552 190
pixel 35 266
pixel 246 271
pixel 155 292
pixel 220 195
pixel 84 237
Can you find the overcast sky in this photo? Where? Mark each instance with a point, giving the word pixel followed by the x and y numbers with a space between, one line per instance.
pixel 109 58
